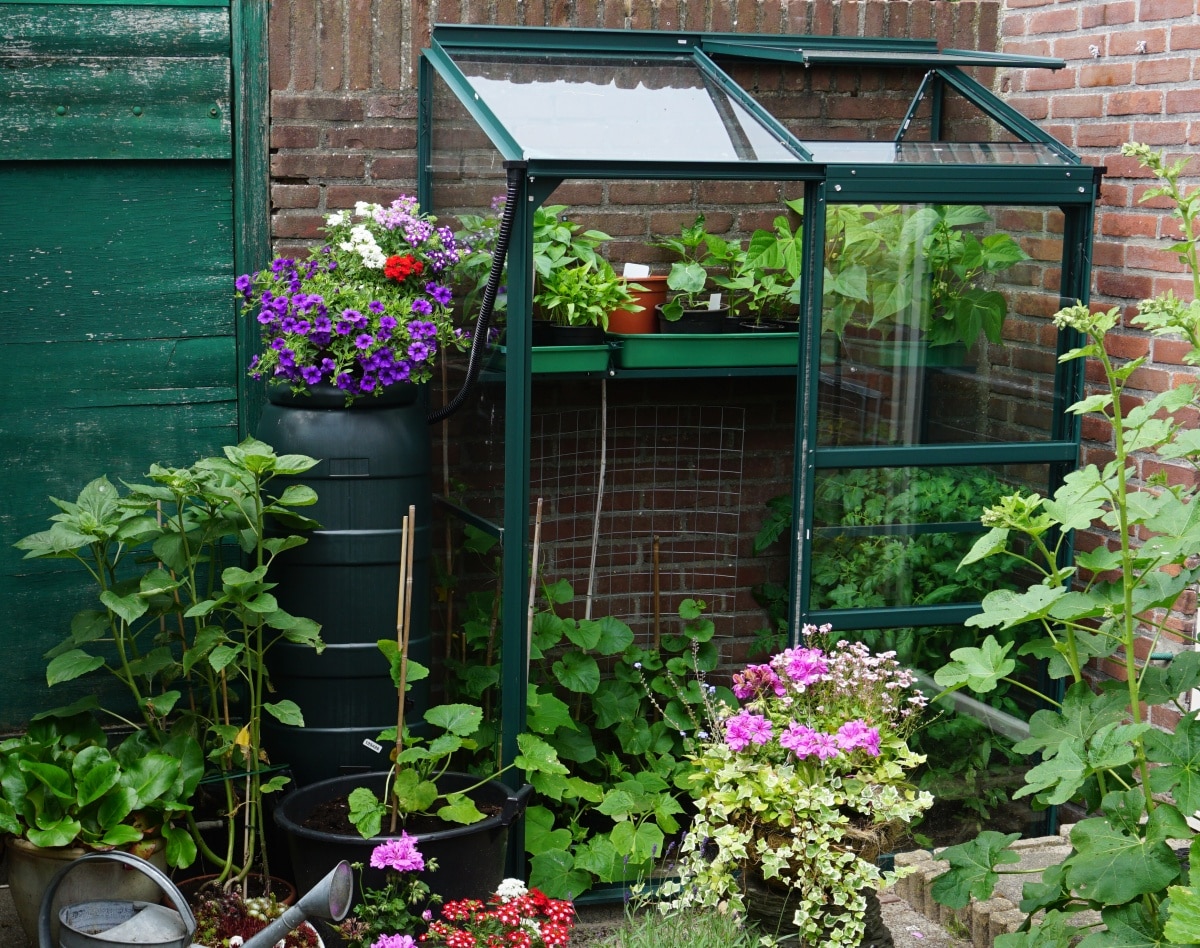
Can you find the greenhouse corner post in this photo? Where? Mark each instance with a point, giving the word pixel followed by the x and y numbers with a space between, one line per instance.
pixel 804 469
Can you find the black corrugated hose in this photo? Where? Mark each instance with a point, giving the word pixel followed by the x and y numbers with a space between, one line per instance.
pixel 515 172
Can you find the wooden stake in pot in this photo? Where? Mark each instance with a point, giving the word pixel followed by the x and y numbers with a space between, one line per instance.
pixel 403 622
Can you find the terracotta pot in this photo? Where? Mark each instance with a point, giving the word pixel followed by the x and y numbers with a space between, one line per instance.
pixel 627 322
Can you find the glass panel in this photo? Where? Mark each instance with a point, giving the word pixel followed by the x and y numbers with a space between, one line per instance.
pixel 895 536
pixel 604 109
pixel 933 153
pixel 936 324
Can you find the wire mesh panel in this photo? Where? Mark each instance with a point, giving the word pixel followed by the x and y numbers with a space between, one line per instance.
pixel 667 527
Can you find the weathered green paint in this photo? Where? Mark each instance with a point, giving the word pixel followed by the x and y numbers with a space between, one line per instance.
pixel 117 317
pixel 82 82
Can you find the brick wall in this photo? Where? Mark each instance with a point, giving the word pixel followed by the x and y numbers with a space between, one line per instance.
pixel 1131 75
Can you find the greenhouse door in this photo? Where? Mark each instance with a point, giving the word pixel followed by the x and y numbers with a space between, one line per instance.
pixel 117 245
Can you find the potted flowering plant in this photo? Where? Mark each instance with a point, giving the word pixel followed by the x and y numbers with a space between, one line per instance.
pixel 387 916
pixel 369 309
pixel 513 917
pixel 799 790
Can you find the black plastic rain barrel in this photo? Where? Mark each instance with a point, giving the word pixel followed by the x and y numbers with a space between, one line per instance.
pixel 374 463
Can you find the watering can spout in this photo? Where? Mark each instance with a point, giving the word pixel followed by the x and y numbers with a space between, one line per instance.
pixel 330 899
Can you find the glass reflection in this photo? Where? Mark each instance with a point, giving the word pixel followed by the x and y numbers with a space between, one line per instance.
pixel 600 109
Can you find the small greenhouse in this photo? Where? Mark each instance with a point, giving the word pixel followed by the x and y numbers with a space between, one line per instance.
pixel 914 234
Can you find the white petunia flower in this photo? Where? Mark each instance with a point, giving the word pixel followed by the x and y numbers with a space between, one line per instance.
pixel 511 889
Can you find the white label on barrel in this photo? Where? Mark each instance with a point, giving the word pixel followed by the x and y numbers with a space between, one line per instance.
pixel 371 745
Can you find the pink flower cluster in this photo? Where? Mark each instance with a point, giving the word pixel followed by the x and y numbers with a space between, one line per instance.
pixel 399 854
pixel 821 704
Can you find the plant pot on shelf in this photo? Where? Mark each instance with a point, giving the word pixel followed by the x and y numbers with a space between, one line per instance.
pixel 653 294
pixel 551 334
pixel 471 858
pixel 31 869
pixel 375 463
pixel 694 321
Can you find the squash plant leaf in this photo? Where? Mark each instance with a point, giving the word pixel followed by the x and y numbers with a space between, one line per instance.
pixel 972 870
pixel 1179 757
pixel 1112 866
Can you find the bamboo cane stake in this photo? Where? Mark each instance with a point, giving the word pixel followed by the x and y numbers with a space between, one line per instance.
pixel 533 575
pixel 587 614
pixel 402 615
pixel 657 597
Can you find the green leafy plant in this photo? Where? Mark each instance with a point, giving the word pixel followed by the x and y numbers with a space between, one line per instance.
pixel 612 814
pixel 643 927
pixel 184 616
pixel 884 261
pixel 573 283
pixel 760 280
pixel 802 786
pixel 1097 745
pixel 61 785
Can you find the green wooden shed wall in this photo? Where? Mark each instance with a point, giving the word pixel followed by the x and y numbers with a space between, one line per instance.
pixel 123 128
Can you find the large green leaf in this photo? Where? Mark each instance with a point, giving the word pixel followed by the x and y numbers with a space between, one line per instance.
pixel 972 868
pixel 980 669
pixel 71 665
pixel 540 834
pixel 554 874
pixel 537 756
pixel 546 712
pixel 1183 922
pixel 460 719
pixel 1112 866
pixel 577 672
pixel 1179 757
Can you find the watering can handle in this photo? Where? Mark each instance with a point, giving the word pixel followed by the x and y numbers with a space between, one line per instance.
pixel 169 887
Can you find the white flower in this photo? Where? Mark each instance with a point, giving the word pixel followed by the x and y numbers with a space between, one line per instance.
pixel 511 889
pixel 364 208
pixel 336 219
pixel 236 941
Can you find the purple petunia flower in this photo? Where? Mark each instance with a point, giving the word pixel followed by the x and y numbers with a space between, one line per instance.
pixel 418 351
pixel 442 294
pixel 424 307
pixel 364 340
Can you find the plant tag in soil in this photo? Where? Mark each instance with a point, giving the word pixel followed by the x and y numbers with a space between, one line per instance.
pixel 372 746
pixel 714 301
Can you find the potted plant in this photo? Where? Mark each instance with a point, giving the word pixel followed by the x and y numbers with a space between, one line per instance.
pixel 64 792
pixel 443 808
pixel 799 790
pixel 693 304
pixel 185 607
pixel 894 274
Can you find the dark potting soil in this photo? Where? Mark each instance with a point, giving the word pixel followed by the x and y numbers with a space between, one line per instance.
pixel 333 816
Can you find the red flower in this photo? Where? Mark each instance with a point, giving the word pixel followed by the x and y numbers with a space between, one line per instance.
pixel 401 268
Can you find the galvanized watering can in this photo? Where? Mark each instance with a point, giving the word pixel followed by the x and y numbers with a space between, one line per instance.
pixel 143 925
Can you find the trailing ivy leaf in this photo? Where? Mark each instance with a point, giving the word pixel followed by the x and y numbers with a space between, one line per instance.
pixel 972 871
pixel 1179 755
pixel 1183 922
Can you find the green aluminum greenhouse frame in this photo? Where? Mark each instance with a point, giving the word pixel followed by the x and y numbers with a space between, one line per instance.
pixel 1043 174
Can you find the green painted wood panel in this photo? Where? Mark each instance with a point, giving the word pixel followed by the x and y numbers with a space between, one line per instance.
pixel 115 82
pixel 117 316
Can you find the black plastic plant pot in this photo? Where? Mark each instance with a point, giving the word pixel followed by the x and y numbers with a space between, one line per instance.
pixel 471 859
pixel 694 321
